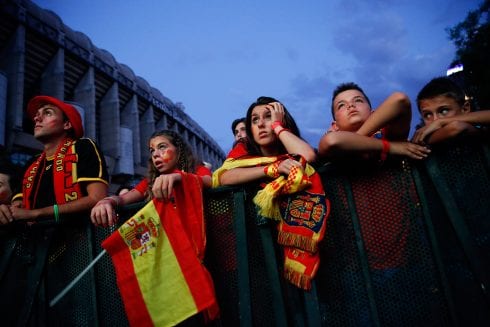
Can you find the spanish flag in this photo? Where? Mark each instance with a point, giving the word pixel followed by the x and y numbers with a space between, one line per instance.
pixel 157 255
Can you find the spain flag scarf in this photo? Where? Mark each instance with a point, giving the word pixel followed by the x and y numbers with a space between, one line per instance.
pixel 157 255
pixel 66 187
pixel 299 204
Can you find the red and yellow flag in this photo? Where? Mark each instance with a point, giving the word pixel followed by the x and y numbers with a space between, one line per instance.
pixel 157 256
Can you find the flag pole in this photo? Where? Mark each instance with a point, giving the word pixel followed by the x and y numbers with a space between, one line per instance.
pixel 58 297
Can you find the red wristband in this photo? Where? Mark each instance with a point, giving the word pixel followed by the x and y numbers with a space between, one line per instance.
pixel 385 150
pixel 275 124
pixel 282 130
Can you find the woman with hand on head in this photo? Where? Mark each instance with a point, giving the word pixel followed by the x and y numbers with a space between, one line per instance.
pixel 271 131
pixel 170 158
pixel 275 155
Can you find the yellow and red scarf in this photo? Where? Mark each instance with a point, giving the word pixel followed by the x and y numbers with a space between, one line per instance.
pixel 298 201
pixel 66 188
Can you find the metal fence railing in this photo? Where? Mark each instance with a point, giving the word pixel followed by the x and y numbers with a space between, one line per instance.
pixel 407 244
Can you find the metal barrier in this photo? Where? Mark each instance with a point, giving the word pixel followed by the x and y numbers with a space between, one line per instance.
pixel 407 244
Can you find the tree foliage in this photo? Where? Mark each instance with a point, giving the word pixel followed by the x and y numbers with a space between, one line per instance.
pixel 472 40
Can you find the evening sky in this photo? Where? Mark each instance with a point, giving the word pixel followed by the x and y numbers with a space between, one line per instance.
pixel 216 57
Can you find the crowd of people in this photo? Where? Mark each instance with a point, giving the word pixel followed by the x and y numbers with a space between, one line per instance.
pixel 68 181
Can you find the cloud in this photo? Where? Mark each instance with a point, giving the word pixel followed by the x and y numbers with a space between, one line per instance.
pixel 367 54
pixel 217 61
pixel 308 103
pixel 375 53
pixel 376 39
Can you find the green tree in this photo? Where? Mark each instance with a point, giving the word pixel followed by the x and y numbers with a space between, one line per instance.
pixel 472 40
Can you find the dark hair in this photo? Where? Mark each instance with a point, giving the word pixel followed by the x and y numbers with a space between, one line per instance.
pixel 71 132
pixel 236 122
pixel 253 147
pixel 14 174
pixel 186 160
pixel 441 86
pixel 345 87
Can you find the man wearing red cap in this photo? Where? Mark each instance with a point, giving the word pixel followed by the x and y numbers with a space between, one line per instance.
pixel 69 176
pixel 62 184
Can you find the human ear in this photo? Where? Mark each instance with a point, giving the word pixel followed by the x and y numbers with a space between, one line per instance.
pixel 333 127
pixel 67 125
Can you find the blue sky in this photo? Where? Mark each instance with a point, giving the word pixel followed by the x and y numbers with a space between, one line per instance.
pixel 216 57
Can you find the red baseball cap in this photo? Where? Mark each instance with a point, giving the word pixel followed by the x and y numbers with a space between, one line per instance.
pixel 71 113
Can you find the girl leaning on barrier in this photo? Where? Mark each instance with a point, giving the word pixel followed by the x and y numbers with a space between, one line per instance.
pixel 170 158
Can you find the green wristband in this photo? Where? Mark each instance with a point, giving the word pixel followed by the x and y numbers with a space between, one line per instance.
pixel 56 213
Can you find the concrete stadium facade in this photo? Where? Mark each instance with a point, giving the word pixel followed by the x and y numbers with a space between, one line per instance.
pixel 41 55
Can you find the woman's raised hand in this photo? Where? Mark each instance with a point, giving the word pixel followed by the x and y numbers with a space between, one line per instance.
pixel 277 111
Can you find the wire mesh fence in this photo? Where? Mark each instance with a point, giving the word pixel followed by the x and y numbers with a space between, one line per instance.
pixel 407 244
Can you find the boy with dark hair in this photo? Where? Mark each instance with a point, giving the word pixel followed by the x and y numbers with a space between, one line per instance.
pixel 345 87
pixel 238 129
pixel 359 132
pixel 357 129
pixel 446 112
